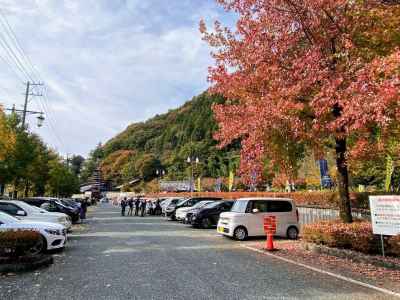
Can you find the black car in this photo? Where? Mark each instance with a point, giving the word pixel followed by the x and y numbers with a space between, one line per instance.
pixel 208 216
pixel 55 205
pixel 170 210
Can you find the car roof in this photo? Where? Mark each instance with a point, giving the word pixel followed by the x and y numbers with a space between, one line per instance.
pixel 265 198
pixel 12 201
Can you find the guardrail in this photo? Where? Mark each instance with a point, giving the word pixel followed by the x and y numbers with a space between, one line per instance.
pixel 310 214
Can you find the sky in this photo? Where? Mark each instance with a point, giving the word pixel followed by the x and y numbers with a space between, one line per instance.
pixel 105 63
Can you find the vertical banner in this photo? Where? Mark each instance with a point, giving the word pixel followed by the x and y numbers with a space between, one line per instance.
pixel 389 172
pixel 231 180
pixel 218 184
pixel 198 184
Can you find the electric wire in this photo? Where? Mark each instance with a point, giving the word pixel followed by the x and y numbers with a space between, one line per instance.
pixel 24 65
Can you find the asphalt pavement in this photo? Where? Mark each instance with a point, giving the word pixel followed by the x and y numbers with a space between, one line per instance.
pixel 152 258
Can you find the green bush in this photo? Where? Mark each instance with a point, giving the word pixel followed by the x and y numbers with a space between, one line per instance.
pixel 394 246
pixel 15 243
pixel 356 236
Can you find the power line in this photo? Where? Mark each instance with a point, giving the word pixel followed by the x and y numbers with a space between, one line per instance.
pixel 27 68
pixel 17 43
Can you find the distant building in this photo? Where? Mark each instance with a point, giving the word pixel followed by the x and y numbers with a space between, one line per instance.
pixel 96 184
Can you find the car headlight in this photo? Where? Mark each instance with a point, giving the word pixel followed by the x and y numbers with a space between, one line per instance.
pixel 53 231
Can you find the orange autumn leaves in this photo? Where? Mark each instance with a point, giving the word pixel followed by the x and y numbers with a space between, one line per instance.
pixel 287 65
pixel 7 137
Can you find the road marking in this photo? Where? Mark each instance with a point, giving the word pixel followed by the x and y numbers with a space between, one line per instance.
pixel 118 234
pixel 141 223
pixel 370 286
pixel 163 248
pixel 125 218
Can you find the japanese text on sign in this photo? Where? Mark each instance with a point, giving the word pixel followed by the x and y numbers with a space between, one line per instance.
pixel 385 214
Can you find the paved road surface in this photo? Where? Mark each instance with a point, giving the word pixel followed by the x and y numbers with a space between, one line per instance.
pixel 151 258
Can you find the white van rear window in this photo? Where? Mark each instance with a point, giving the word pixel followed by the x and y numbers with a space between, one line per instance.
pixel 239 206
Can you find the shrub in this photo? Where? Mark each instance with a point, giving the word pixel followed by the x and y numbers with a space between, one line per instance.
pixel 356 236
pixel 394 245
pixel 15 243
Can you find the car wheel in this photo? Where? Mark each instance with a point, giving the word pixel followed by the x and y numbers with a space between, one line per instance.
pixel 240 233
pixel 38 248
pixel 292 233
pixel 206 223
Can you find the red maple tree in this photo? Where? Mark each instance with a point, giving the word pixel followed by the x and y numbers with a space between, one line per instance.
pixel 314 71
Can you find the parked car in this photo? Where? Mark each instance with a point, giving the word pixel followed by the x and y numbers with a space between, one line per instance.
pixel 170 210
pixel 169 201
pixel 55 205
pixel 71 202
pixel 53 236
pixel 246 218
pixel 182 212
pixel 24 211
pixel 208 216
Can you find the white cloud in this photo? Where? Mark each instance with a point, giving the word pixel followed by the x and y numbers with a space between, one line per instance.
pixel 108 63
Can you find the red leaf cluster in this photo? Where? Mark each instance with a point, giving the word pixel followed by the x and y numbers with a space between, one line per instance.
pixel 308 69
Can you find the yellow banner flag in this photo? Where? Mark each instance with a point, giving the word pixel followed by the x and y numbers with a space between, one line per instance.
pixel 198 184
pixel 231 180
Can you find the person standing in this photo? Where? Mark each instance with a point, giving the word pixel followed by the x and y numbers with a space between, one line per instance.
pixel 130 204
pixel 137 205
pixel 123 206
pixel 143 207
pixel 83 208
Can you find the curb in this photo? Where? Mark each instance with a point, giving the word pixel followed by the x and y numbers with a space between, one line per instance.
pixel 42 261
pixel 341 277
pixel 349 254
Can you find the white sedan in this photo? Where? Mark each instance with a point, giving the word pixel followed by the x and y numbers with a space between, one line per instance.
pixel 24 211
pixel 182 212
pixel 53 236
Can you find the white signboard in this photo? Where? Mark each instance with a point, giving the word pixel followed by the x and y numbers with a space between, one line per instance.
pixel 385 214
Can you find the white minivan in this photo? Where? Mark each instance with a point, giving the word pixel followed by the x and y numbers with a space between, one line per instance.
pixel 246 218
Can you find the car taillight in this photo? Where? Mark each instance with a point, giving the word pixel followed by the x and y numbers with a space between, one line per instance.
pixel 297 215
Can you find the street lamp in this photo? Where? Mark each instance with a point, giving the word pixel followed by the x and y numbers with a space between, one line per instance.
pixel 159 173
pixel 191 161
pixel 40 119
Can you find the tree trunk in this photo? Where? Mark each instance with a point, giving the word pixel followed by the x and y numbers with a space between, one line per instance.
pixel 343 181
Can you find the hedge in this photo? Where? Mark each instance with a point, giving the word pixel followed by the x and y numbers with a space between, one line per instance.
pixel 356 236
pixel 16 243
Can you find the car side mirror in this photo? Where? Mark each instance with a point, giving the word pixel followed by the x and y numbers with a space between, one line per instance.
pixel 256 210
pixel 21 213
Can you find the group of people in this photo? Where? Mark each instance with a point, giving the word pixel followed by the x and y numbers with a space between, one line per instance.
pixel 140 206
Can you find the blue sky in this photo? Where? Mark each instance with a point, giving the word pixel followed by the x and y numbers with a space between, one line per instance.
pixel 107 63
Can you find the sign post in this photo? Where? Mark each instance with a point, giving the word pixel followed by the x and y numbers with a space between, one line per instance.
pixel 270 230
pixel 385 216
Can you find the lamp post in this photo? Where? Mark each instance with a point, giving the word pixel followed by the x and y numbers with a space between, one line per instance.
pixel 192 161
pixel 160 173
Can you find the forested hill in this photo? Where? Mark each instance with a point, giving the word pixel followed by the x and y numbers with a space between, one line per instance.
pixel 164 143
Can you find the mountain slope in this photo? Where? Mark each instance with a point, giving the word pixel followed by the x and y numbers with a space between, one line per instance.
pixel 164 143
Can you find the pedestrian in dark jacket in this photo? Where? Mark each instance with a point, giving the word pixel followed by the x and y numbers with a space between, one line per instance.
pixel 123 206
pixel 137 206
pixel 83 209
pixel 143 207
pixel 158 208
pixel 130 204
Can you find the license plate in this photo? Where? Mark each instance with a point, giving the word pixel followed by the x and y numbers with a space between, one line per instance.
pixel 221 229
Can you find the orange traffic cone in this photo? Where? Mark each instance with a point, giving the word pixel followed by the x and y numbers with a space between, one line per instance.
pixel 270 243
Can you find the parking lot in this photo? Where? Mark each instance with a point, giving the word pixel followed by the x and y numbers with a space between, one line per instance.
pixel 152 258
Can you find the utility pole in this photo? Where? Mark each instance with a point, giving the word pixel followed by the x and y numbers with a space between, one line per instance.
pixel 25 111
pixel 28 85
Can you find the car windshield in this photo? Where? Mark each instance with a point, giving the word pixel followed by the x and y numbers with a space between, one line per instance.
pixel 239 206
pixel 201 204
pixel 6 218
pixel 180 202
pixel 25 206
pixel 38 209
pixel 212 204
